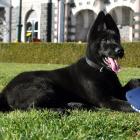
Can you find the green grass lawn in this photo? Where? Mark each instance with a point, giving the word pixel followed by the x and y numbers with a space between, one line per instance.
pixel 79 125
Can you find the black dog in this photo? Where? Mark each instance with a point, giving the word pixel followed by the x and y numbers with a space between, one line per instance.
pixel 91 81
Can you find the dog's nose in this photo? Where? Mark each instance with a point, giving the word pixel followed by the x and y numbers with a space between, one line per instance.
pixel 119 52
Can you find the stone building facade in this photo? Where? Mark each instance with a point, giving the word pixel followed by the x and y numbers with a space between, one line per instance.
pixel 5 21
pixel 69 20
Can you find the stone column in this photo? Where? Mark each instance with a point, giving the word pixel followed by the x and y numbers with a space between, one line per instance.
pixel 43 23
pixel 61 15
pixel 7 25
pixel 67 20
pixel 10 22
pixel 14 24
pixel 137 19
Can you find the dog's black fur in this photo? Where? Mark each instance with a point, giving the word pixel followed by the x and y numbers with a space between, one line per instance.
pixel 89 81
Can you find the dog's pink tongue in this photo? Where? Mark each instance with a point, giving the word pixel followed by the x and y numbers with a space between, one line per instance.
pixel 113 65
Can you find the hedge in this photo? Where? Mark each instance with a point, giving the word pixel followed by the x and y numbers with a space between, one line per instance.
pixel 65 53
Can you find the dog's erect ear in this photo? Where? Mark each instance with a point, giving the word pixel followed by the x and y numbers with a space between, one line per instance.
pixel 111 25
pixel 97 25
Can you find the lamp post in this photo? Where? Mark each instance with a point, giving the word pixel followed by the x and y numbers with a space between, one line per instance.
pixel 49 21
pixel 61 8
pixel 19 22
pixel 10 20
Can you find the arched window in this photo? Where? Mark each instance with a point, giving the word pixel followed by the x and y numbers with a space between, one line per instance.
pixel 28 26
pixel 31 26
pixel 122 15
pixel 83 20
pixel 36 25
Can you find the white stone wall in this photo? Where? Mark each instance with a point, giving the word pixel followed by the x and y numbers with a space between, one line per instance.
pixel 5 26
pixel 35 5
pixel 14 24
pixel 69 27
pixel 96 6
pixel 125 31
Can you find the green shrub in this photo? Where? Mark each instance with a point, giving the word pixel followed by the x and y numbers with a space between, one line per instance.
pixel 132 55
pixel 64 53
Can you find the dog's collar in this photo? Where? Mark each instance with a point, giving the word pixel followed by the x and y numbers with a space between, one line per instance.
pixel 94 65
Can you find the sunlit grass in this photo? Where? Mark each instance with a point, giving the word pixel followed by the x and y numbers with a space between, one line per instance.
pixel 79 125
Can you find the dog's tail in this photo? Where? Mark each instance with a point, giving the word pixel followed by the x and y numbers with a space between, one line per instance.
pixel 3 103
